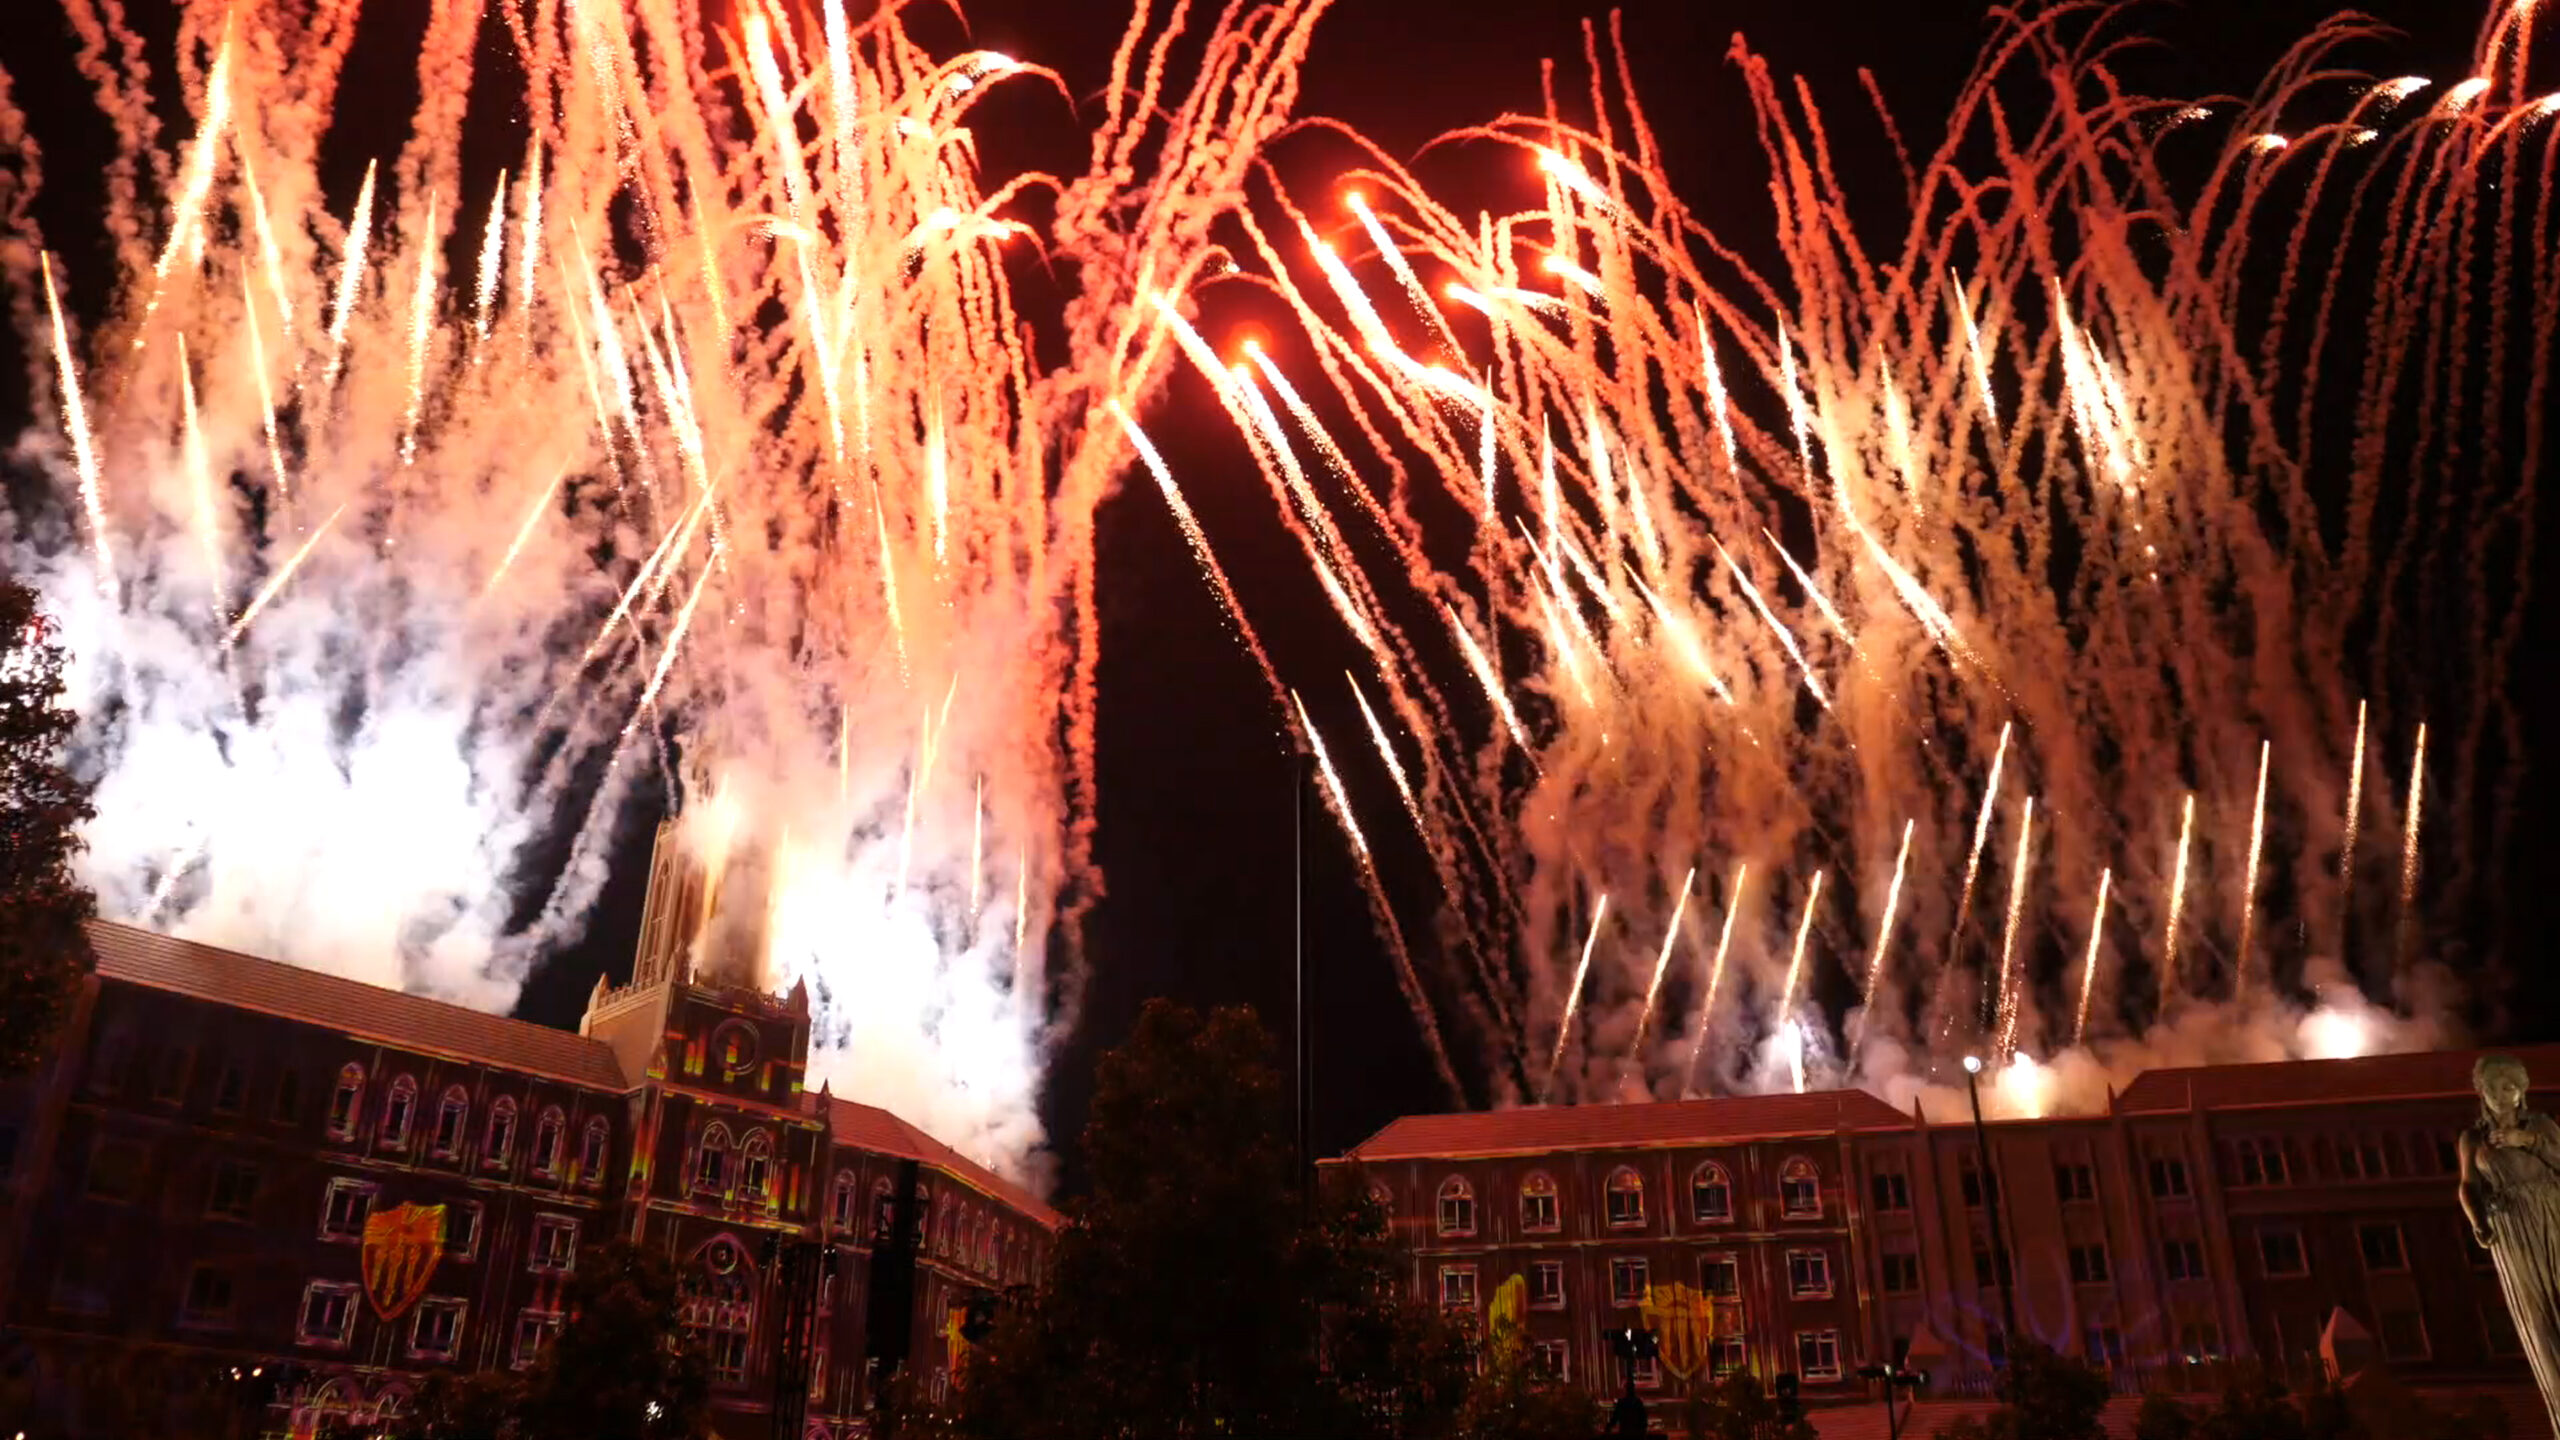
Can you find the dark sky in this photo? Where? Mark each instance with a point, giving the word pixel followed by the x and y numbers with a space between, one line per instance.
pixel 1197 779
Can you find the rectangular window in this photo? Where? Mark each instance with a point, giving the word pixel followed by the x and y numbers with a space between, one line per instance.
pixel 533 1331
pixel 1648 1373
pixel 729 1358
pixel 344 1209
pixel 1800 1193
pixel 1972 1181
pixel 1458 1287
pixel 2280 1252
pixel 437 1331
pixel 2199 1341
pixel 2073 1183
pixel 1546 1285
pixel 1711 1197
pixel 1808 1273
pixel 230 1089
pixel 1552 1357
pixel 288 1107
pixel 2262 1162
pixel 2089 1265
pixel 2182 1259
pixel 1727 1356
pixel 461 1229
pixel 1818 1354
pixel 328 1314
pixel 1625 1201
pixel 2382 1247
pixel 1720 1276
pixel 2168 1177
pixel 209 1304
pixel 235 1190
pixel 116 1169
pixel 1892 1190
pixel 1989 1266
pixel 2404 1335
pixel 555 1244
pixel 2105 1346
pixel 1901 1273
pixel 1629 1279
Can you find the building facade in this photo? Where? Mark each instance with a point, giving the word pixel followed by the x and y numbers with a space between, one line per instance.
pixel 186 1191
pixel 2300 1216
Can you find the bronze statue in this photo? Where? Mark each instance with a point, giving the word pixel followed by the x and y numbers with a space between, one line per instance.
pixel 2511 1192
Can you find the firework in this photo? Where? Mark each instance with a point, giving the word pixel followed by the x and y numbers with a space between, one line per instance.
pixel 2089 965
pixel 1715 979
pixel 2249 876
pixel 1884 937
pixel 1573 994
pixel 1662 962
pixel 2177 902
pixel 2006 998
pixel 1795 958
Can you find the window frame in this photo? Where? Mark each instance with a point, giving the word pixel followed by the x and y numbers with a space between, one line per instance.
pixel 534 1332
pixel 1639 1266
pixel 1623 1182
pixel 1909 1265
pixel 537 1260
pixel 549 1133
pixel 1539 1297
pixel 1714 1177
pixel 1797 1287
pixel 2089 1264
pixel 1560 1353
pixel 470 1249
pixel 2169 1178
pixel 1799 1170
pixel 107 1143
pixel 399 1115
pixel 1825 1337
pixel 455 1103
pixel 454 1305
pixel 498 1134
pixel 1459 1273
pixel 2399 1262
pixel 346 1294
pixel 2075 1182
pixel 1455 1190
pixel 1729 1263
pixel 1890 1191
pixel 595 1152
pixel 225 1167
pixel 755 1168
pixel 1538 1191
pixel 2175 1250
pixel 346 1103
pixel 228 1317
pixel 231 1088
pixel 363 1190
pixel 2301 1253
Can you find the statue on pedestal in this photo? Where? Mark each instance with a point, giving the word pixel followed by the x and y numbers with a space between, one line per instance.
pixel 2511 1192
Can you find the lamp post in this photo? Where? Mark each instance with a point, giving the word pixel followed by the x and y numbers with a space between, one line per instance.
pixel 1895 1377
pixel 2000 1272
pixel 1627 1418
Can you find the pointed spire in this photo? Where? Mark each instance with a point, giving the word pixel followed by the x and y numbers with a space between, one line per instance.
pixel 799 996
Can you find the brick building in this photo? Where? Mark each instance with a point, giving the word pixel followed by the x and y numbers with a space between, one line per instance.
pixel 2300 1215
pixel 186 1190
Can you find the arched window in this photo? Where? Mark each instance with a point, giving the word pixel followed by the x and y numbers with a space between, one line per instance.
pixel 1625 1195
pixel 1710 1194
pixel 593 1151
pixel 840 1201
pixel 500 1138
pixel 942 1231
pixel 453 1113
pixel 711 1162
pixel 1799 1189
pixel 884 1210
pixel 546 1141
pixel 755 1166
pixel 1538 1212
pixel 1457 1206
pixel 398 1111
pixel 346 1102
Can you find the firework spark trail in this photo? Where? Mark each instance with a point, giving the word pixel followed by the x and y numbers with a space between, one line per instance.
pixel 1884 938
pixel 350 278
pixel 1332 781
pixel 2249 877
pixel 276 583
pixel 422 318
pixel 1387 752
pixel 2089 966
pixel 1491 682
pixel 1812 591
pixel 1980 362
pixel 532 517
pixel 1787 992
pixel 1715 980
pixel 1777 629
pixel 2177 903
pixel 75 421
pixel 266 389
pixel 2355 808
pixel 2010 980
pixel 202 160
pixel 2409 846
pixel 1981 836
pixel 1573 999
pixel 1662 962
pixel 493 246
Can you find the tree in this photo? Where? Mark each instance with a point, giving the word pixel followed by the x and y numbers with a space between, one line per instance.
pixel 450 1405
pixel 43 953
pixel 621 1368
pixel 1203 1287
pixel 1736 1408
pixel 1515 1398
pixel 2256 1406
pixel 2044 1395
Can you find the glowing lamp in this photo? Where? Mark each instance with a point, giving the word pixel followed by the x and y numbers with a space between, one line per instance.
pixel 1973 1064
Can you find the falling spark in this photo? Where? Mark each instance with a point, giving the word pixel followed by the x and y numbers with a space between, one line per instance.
pixel 1332 781
pixel 2355 806
pixel 198 181
pixel 1715 978
pixel 350 277
pixel 1387 752
pixel 2010 981
pixel 2177 902
pixel 2409 837
pixel 276 584
pixel 1715 385
pixel 1492 683
pixel 75 418
pixel 1785 639
pixel 1981 835
pixel 1573 998
pixel 493 247
pixel 977 844
pixel 422 319
pixel 2089 966
pixel 2249 878
pixel 1795 961
pixel 675 641
pixel 270 254
pixel 529 256
pixel 1813 592
pixel 1884 937
pixel 1974 354
pixel 1662 962
pixel 532 516
pixel 266 389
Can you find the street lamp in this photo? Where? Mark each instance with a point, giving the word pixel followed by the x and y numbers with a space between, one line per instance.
pixel 1990 1182
pixel 1627 1418
pixel 1895 1377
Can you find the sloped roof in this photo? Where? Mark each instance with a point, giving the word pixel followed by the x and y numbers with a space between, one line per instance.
pixel 2324 1082
pixel 868 1127
pixel 368 1012
pixel 1538 1129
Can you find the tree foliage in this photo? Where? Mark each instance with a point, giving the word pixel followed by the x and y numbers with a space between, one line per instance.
pixel 1514 1398
pixel 2255 1405
pixel 2044 1395
pixel 621 1367
pixel 1203 1287
pixel 1737 1408
pixel 43 954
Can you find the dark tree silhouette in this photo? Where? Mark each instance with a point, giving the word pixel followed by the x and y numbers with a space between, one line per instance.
pixel 43 953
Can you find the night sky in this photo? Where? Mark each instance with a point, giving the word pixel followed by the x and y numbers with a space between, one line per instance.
pixel 1196 774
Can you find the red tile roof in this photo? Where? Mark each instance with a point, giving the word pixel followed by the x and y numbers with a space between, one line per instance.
pixel 368 1012
pixel 1541 1128
pixel 2324 1082
pixel 868 1127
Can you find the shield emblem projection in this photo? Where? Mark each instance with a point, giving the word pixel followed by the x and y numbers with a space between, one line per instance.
pixel 1685 1321
pixel 401 1248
